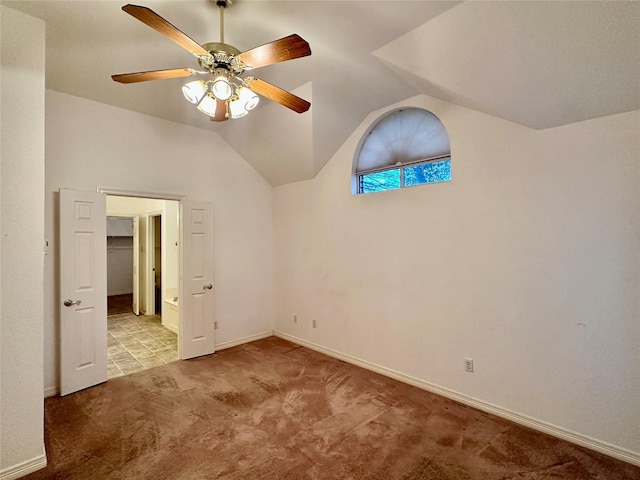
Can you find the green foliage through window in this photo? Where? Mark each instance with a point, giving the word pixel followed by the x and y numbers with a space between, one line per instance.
pixel 399 177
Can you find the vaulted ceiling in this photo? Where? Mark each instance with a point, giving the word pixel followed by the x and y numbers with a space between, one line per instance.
pixel 540 64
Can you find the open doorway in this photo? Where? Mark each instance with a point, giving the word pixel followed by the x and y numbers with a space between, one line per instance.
pixel 83 282
pixel 143 267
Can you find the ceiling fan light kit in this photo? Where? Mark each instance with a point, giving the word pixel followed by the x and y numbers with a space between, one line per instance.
pixel 208 105
pixel 194 91
pixel 220 86
pixel 228 94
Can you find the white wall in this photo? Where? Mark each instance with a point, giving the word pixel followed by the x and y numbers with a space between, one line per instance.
pixel 527 262
pixel 123 206
pixel 170 243
pixel 22 41
pixel 89 144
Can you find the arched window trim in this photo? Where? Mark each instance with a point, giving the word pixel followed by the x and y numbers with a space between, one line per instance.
pixel 357 174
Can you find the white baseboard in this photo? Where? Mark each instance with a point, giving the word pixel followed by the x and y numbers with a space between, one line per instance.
pixel 240 341
pixel 24 468
pixel 51 392
pixel 573 437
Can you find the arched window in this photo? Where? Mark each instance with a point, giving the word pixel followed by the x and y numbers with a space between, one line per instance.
pixel 405 147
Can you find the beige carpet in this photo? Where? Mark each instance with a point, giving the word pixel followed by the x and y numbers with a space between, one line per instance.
pixel 273 410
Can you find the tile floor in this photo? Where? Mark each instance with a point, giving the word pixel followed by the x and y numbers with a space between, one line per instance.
pixel 135 343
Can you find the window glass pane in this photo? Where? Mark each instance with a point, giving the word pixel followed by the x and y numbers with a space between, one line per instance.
pixel 379 181
pixel 428 173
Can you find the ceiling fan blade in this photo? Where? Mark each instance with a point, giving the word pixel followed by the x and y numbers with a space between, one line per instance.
pixel 221 112
pixel 153 75
pixel 277 94
pixel 287 48
pixel 155 21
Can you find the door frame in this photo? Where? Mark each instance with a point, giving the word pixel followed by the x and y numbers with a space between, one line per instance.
pixel 160 196
pixel 150 253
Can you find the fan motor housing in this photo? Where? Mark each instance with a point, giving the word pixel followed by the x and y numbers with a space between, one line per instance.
pixel 222 56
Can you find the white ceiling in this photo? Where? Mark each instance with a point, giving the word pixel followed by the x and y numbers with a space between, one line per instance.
pixel 540 64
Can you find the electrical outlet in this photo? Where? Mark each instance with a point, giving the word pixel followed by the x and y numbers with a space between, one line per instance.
pixel 215 325
pixel 295 319
pixel 468 365
pixel 314 324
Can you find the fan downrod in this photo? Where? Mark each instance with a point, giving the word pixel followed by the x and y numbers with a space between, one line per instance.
pixel 221 54
pixel 222 4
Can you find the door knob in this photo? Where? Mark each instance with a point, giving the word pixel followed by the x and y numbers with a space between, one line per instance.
pixel 68 302
pixel 208 286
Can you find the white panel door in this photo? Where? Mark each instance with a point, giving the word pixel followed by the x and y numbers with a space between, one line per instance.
pixel 196 302
pixel 136 265
pixel 83 290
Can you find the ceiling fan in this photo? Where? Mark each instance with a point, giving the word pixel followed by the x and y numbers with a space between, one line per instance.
pixel 228 94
